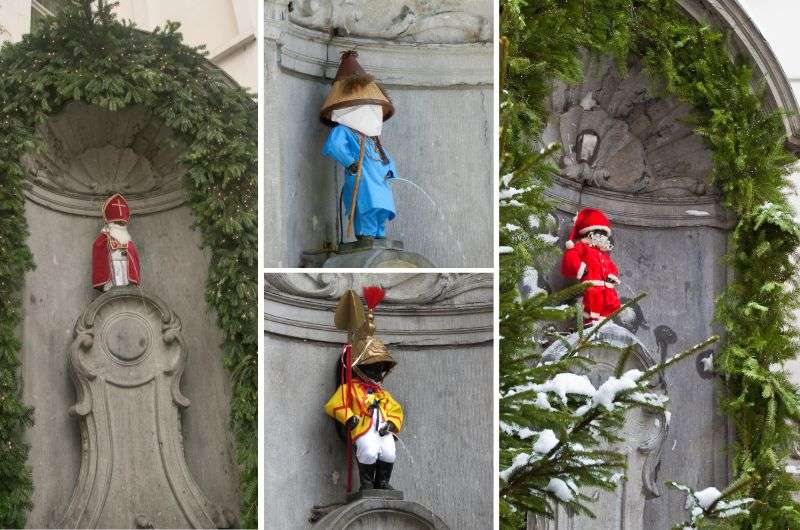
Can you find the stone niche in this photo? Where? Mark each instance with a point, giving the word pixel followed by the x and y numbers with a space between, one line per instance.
pixel 435 58
pixel 89 153
pixel 629 152
pixel 439 329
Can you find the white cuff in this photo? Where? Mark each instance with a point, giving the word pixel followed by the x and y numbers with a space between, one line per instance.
pixel 581 270
pixel 613 278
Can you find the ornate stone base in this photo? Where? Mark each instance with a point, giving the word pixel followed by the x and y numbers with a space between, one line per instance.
pixel 126 361
pixel 366 253
pixel 381 510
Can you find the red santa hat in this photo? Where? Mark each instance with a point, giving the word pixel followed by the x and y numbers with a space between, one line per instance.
pixel 116 210
pixel 587 220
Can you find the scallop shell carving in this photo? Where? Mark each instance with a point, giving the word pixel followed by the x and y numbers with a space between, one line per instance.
pixel 641 143
pixel 90 153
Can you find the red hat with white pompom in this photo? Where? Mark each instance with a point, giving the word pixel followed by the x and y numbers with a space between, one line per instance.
pixel 587 220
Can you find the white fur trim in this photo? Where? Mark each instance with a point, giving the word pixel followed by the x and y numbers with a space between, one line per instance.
pixel 601 283
pixel 581 270
pixel 588 229
pixel 614 278
pixel 569 244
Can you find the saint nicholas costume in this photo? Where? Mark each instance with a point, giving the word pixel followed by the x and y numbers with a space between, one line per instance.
pixel 115 260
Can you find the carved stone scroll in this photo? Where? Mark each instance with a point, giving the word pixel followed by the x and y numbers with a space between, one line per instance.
pixel 126 361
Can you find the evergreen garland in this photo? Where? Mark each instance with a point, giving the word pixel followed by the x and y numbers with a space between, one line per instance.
pixel 85 54
pixel 692 61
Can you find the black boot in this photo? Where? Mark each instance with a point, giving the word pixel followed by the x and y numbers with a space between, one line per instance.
pixel 366 476
pixel 383 474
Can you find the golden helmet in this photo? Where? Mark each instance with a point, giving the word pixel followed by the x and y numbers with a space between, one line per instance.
pixel 367 348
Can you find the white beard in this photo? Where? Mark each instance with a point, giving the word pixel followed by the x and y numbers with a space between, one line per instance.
pixel 599 241
pixel 366 119
pixel 117 232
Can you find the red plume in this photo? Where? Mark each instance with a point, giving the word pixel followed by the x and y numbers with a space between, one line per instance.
pixel 373 296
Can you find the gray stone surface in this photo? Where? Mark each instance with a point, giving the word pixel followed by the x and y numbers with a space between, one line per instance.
pixel 439 328
pixel 56 293
pixel 438 21
pixel 126 361
pixel 440 137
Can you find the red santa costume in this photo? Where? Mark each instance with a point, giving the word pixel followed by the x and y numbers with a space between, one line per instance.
pixel 115 261
pixel 588 260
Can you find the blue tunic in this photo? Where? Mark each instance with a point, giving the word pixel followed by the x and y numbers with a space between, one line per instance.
pixel 375 204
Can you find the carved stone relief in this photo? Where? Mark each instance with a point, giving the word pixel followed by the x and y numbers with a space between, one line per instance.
pixel 126 361
pixel 422 21
pixel 90 153
pixel 617 134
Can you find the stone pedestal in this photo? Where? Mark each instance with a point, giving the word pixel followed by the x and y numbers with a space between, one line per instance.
pixel 126 361
pixel 381 510
pixel 366 253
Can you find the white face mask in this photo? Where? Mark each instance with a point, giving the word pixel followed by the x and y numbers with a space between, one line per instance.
pixel 367 119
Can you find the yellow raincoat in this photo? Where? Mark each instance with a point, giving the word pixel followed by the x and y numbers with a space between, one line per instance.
pixel 360 401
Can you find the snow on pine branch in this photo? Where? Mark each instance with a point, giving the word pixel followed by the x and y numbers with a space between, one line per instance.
pixel 709 504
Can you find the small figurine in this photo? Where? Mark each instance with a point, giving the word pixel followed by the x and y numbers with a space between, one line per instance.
pixel 588 260
pixel 370 414
pixel 356 108
pixel 115 261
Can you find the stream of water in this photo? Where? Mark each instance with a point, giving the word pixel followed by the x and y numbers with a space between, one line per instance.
pixel 439 213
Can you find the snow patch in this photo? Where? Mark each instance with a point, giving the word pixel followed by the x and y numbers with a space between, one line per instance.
pixel 608 391
pixel 567 383
pixel 519 461
pixel 546 441
pixel 559 488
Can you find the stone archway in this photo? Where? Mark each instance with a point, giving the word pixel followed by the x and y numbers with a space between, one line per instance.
pixel 630 151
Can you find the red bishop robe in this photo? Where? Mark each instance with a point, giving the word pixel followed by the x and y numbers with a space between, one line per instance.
pixel 101 260
pixel 595 267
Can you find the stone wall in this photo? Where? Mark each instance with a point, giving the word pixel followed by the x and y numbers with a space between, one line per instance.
pixel 439 329
pixel 439 77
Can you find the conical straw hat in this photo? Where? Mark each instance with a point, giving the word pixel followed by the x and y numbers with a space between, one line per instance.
pixel 353 86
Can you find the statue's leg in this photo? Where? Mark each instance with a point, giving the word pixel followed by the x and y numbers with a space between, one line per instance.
pixel 381 217
pixel 365 224
pixel 383 473
pixel 367 449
